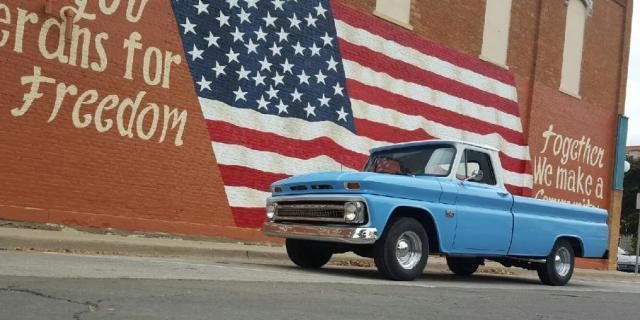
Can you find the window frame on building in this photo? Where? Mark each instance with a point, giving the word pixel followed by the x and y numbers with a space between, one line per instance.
pixel 578 11
pixel 395 11
pixel 495 36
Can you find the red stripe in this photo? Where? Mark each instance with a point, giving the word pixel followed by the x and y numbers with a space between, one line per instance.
pixel 220 131
pixel 383 132
pixel 246 177
pixel 410 73
pixel 380 97
pixel 248 217
pixel 518 191
pixel 403 37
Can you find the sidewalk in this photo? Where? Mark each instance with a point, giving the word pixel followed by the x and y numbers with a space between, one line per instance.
pixel 47 238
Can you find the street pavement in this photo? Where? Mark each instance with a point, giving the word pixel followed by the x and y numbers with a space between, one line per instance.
pixel 68 286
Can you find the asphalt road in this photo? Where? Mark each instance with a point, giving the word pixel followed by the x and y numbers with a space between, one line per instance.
pixel 64 286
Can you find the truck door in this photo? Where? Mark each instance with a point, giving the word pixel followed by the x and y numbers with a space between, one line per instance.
pixel 483 209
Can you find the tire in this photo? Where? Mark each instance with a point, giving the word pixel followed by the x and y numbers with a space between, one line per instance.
pixel 558 269
pixel 308 254
pixel 401 253
pixel 463 266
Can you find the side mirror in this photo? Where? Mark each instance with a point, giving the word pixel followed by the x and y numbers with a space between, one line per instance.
pixel 476 175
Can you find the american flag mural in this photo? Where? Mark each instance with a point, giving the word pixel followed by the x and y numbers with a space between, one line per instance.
pixel 292 87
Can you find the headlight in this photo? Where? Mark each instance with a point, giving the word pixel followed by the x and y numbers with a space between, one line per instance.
pixel 354 212
pixel 271 210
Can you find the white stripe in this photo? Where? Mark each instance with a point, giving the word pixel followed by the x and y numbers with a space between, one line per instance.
pixel 390 117
pixel 292 128
pixel 412 56
pixel 246 197
pixel 436 98
pixel 237 155
pixel 517 179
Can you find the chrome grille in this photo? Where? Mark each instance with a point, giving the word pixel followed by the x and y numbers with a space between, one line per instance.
pixel 328 212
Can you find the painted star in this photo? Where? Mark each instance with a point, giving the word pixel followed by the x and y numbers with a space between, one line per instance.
pixel 196 53
pixel 275 50
pixel 252 4
pixel 244 16
pixel 188 26
pixel 262 103
pixel 282 36
pixel 232 3
pixel 237 35
pixel 298 49
pixel 327 40
pixel 269 20
pixel 342 115
pixel 240 94
pixel 212 40
pixel 286 66
pixel 295 95
pixel 202 7
pixel 311 21
pixel 251 47
pixel 337 90
pixel 294 21
pixel 282 107
pixel 224 20
pixel 272 92
pixel 278 4
pixel 320 10
pixel 242 73
pixel 259 79
pixel 324 101
pixel 232 56
pixel 320 77
pixel 304 78
pixel 219 69
pixel 311 110
pixel 332 64
pixel 204 84
pixel 261 35
pixel 278 79
pixel 315 50
pixel 265 64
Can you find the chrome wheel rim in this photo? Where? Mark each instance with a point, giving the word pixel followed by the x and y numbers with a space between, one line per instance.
pixel 408 250
pixel 562 262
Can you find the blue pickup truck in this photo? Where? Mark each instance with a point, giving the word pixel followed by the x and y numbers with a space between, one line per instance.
pixel 431 197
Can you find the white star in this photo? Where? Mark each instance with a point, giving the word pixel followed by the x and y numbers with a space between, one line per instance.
pixel 286 66
pixel 342 115
pixel 232 3
pixel 315 50
pixel 212 40
pixel 237 35
pixel 304 78
pixel 240 94
pixel 275 50
pixel 224 20
pixel 204 84
pixel 265 64
pixel 188 26
pixel 262 103
pixel 320 77
pixel 232 56
pixel 219 69
pixel 332 64
pixel 272 92
pixel 244 16
pixel 251 47
pixel 202 7
pixel 259 79
pixel 295 95
pixel 298 49
pixel 278 4
pixel 278 79
pixel 261 35
pixel 324 101
pixel 310 110
pixel 282 36
pixel 327 40
pixel 320 10
pixel 269 20
pixel 281 107
pixel 294 21
pixel 252 4
pixel 311 21
pixel 337 89
pixel 196 53
pixel 242 73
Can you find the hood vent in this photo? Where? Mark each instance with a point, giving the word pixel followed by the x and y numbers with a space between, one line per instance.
pixel 298 188
pixel 321 186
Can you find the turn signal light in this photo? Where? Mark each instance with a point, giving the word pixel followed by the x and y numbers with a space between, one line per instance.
pixel 353 185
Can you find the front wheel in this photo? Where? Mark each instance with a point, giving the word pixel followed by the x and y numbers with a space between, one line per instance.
pixel 308 254
pixel 401 253
pixel 558 269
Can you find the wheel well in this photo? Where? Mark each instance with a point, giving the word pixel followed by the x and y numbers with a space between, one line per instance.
pixel 576 244
pixel 424 217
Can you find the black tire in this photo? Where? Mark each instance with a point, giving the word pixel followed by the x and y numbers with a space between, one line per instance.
pixel 548 272
pixel 463 266
pixel 308 254
pixel 384 250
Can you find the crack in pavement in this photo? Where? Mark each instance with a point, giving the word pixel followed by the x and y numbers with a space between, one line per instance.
pixel 91 306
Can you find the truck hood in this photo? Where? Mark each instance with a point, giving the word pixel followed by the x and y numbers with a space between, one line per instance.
pixel 398 186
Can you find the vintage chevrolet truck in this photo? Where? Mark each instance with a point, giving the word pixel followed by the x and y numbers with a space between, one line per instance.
pixel 431 197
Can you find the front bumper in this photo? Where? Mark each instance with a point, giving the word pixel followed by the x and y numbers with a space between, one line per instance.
pixel 351 235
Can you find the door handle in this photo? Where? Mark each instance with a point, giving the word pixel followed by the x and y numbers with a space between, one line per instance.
pixel 503 194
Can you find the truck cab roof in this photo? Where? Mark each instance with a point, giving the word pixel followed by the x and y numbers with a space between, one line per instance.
pixel 431 142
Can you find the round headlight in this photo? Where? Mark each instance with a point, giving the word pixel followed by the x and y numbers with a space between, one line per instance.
pixel 353 211
pixel 350 216
pixel 271 210
pixel 351 207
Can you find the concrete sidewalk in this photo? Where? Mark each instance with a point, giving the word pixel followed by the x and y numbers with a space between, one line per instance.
pixel 63 239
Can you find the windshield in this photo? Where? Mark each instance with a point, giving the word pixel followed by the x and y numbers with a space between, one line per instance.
pixel 425 160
